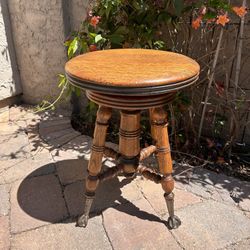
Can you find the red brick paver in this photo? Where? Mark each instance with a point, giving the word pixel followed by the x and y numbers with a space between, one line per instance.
pixel 35 202
pixel 211 225
pixel 110 193
pixel 135 226
pixel 4 199
pixel 155 196
pixel 64 236
pixel 4 233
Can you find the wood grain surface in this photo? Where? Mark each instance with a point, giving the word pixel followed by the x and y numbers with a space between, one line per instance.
pixel 132 68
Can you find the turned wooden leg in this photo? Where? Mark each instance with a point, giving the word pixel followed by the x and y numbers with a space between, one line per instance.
pixel 129 144
pixel 95 162
pixel 159 131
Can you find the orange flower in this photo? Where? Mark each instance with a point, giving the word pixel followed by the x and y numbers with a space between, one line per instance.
pixel 196 23
pixel 240 11
pixel 222 19
pixel 94 20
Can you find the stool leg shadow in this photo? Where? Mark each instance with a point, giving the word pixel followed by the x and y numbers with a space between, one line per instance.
pixel 133 210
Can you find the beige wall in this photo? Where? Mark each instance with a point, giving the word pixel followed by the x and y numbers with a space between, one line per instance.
pixel 77 12
pixel 39 30
pixel 9 78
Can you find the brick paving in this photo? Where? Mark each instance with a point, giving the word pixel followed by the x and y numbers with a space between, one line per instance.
pixel 42 174
pixel 5 202
pixel 4 232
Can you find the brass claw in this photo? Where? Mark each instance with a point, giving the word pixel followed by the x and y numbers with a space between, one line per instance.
pixel 174 222
pixel 82 221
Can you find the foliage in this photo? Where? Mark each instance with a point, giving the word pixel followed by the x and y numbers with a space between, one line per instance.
pixel 140 24
pixel 156 24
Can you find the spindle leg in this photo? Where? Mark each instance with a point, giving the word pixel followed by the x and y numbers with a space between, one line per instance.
pixel 95 162
pixel 159 131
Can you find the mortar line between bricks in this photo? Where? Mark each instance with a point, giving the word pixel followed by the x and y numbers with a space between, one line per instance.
pixel 62 189
pixel 58 148
pixel 105 230
pixel 177 241
pixel 53 160
pixel 23 160
pixel 22 150
pixel 26 178
pixel 31 229
pixel 9 222
pixel 211 199
pixel 69 132
pixel 63 144
pixel 27 136
pixel 205 198
pixel 234 243
pixel 62 221
pixel 7 168
pixel 146 199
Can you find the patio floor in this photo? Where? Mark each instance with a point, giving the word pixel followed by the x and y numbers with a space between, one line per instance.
pixel 42 173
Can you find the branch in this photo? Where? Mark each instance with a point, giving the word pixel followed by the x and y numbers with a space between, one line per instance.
pixel 210 82
pixel 238 67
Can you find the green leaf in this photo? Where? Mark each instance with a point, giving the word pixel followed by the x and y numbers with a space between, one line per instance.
pixel 67 43
pixel 84 46
pixel 136 5
pixel 164 17
pixel 92 106
pixel 69 90
pixel 179 6
pixel 62 80
pixel 73 47
pixel 122 30
pixel 98 38
pixel 116 38
pixel 210 15
pixel 78 91
pixel 108 9
pixel 92 37
pixel 159 44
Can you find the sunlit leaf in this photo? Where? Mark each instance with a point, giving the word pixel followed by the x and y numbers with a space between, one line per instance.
pixel 98 38
pixel 62 80
pixel 73 47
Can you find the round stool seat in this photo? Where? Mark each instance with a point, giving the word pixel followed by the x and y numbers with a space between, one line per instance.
pixel 110 75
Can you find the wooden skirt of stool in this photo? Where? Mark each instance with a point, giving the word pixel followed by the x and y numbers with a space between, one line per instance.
pixel 130 154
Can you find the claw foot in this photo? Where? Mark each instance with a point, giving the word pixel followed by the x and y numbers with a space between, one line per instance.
pixel 82 221
pixel 174 222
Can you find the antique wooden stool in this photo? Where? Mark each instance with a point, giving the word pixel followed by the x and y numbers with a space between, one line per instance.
pixel 131 80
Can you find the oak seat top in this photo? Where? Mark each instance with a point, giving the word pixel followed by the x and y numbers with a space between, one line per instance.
pixel 130 68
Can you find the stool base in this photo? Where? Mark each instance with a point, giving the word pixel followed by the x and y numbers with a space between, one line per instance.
pixel 129 157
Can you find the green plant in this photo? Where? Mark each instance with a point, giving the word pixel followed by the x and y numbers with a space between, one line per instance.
pixel 152 24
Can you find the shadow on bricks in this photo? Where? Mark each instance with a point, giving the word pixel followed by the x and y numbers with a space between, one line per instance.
pixel 44 196
pixel 237 189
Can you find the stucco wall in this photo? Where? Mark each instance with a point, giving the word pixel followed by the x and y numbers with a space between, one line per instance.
pixel 38 35
pixel 39 30
pixel 9 77
pixel 77 12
